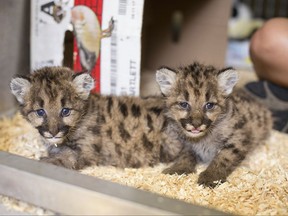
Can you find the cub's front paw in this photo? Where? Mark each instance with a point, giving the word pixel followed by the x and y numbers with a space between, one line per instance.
pixel 56 161
pixel 177 169
pixel 210 179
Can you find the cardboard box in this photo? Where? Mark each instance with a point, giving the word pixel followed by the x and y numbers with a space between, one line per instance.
pixel 174 33
pixel 106 40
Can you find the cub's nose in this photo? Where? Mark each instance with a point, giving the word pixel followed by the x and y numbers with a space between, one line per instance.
pixel 53 131
pixel 196 123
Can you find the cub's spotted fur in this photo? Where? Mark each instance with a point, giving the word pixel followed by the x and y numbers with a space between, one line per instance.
pixel 83 129
pixel 217 126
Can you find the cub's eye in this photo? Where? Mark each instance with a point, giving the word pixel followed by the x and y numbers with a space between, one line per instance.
pixel 40 112
pixel 209 106
pixel 184 105
pixel 65 112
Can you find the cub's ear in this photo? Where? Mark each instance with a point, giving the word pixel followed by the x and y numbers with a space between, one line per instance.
pixel 83 84
pixel 19 86
pixel 165 78
pixel 227 79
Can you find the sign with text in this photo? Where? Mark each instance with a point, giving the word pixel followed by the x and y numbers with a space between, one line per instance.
pixel 107 40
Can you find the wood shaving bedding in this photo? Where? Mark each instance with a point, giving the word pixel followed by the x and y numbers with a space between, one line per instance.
pixel 258 187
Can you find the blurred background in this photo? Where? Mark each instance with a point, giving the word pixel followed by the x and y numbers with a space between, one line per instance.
pixel 173 33
pixel 246 17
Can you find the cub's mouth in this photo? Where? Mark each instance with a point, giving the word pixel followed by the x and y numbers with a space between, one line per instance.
pixel 194 132
pixel 54 140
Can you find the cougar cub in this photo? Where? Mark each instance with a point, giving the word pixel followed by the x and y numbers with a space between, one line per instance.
pixel 217 126
pixel 83 129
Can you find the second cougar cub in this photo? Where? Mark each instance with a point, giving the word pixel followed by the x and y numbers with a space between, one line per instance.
pixel 218 127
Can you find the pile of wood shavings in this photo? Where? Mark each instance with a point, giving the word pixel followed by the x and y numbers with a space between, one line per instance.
pixel 258 187
pixel 19 137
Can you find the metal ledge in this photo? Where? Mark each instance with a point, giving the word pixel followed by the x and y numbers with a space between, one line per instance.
pixel 71 193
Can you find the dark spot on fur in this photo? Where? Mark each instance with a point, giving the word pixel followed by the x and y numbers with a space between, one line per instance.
pixel 145 97
pixel 226 139
pixel 42 129
pixel 223 164
pixel 248 139
pixel 97 147
pixel 40 102
pixel 207 121
pixel 123 109
pixel 201 85
pixel 235 100
pixel 196 92
pixel 51 88
pixel 229 146
pixel 240 123
pixel 207 95
pixel 241 157
pixel 164 156
pixel 185 121
pixel 165 124
pixel 147 144
pixel 186 95
pixel 73 146
pixel 150 123
pixel 196 80
pixel 101 119
pixel 136 164
pixel 186 73
pixel 63 102
pixel 109 105
pixel 226 160
pixel 246 142
pixel 235 110
pixel 156 110
pixel 236 151
pixel 85 163
pixel 151 163
pixel 63 128
pixel 93 105
pixel 118 149
pixel 136 111
pixel 95 129
pixel 109 133
pixel 123 132
pixel 128 157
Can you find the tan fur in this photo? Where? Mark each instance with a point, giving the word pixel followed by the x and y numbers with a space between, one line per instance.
pixel 99 130
pixel 220 136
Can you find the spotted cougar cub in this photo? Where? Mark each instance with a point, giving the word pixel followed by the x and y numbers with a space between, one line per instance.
pixel 217 126
pixel 83 129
